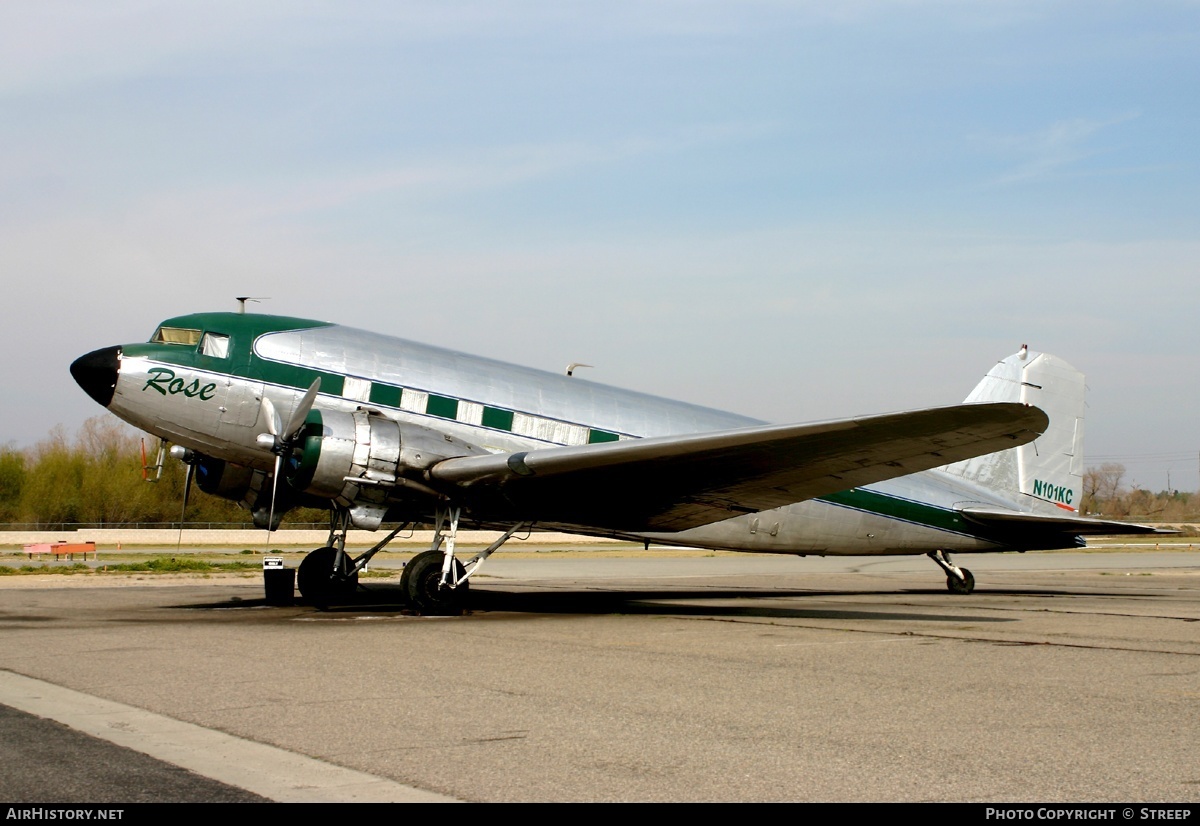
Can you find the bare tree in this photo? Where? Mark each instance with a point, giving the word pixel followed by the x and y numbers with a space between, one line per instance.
pixel 1102 492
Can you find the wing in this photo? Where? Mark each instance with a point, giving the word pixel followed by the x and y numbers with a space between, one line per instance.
pixel 679 482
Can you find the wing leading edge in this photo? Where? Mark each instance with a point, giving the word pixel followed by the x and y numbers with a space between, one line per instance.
pixel 679 482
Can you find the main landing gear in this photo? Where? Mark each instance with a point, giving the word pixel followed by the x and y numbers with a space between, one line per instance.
pixel 328 575
pixel 434 582
pixel 958 580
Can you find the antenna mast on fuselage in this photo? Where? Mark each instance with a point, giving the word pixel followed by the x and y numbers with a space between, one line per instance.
pixel 242 299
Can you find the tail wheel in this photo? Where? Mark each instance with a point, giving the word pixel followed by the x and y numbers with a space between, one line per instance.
pixel 320 584
pixel 422 585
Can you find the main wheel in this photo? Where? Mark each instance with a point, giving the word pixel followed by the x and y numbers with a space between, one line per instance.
pixel 961 586
pixel 421 583
pixel 320 584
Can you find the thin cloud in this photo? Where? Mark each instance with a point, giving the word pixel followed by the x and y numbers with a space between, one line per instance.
pixel 457 173
pixel 1061 145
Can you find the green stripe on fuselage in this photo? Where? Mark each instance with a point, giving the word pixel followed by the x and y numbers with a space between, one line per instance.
pixel 1014 535
pixel 892 507
pixel 387 395
pixel 243 330
pixel 290 375
pixel 497 419
pixel 243 326
pixel 441 406
pixel 241 361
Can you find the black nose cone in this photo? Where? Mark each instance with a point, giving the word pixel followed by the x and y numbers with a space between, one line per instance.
pixel 96 373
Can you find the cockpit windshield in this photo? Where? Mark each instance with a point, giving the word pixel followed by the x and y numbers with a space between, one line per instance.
pixel 175 335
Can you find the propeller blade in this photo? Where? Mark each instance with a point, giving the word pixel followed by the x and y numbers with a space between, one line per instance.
pixel 274 489
pixel 187 489
pixel 301 412
pixel 271 416
pixel 187 486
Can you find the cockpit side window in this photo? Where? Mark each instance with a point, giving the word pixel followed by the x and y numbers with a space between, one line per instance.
pixel 215 345
pixel 175 335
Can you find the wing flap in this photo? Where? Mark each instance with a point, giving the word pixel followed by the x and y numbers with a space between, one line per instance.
pixel 679 482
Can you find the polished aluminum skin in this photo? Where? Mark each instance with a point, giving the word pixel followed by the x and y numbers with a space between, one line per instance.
pixel 901 495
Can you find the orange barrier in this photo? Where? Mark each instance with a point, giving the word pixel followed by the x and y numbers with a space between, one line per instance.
pixel 61 549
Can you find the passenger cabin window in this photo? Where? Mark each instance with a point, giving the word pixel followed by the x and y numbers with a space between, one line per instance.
pixel 175 335
pixel 215 345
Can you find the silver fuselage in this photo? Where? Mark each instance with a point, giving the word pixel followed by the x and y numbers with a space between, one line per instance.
pixel 212 404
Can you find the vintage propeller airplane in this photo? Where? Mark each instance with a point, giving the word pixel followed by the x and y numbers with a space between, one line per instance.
pixel 275 412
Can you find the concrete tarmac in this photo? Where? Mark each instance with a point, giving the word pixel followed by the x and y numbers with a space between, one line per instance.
pixel 578 677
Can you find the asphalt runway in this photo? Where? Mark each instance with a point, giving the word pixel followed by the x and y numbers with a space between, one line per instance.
pixel 1063 678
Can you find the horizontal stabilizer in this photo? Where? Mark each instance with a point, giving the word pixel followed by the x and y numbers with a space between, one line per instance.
pixel 672 483
pixel 1078 525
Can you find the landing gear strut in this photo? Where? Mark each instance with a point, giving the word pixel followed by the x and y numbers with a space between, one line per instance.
pixel 422 585
pixel 958 580
pixel 328 575
pixel 434 582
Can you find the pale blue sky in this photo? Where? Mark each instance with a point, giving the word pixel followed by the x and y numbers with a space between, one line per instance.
pixel 771 207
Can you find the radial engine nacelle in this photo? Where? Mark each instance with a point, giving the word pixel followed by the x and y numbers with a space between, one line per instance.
pixel 227 480
pixel 364 460
pixel 247 486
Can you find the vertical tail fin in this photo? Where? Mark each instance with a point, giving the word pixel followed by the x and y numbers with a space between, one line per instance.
pixel 1048 472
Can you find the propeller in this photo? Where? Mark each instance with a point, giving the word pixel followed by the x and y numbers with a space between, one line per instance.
pixel 280 439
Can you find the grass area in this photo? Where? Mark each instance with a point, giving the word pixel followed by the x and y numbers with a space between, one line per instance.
pixel 77 568
pixel 157 565
pixel 386 573
pixel 185 565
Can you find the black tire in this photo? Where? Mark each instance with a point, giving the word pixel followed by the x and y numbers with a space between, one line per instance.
pixel 407 570
pixel 961 586
pixel 422 586
pixel 319 584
